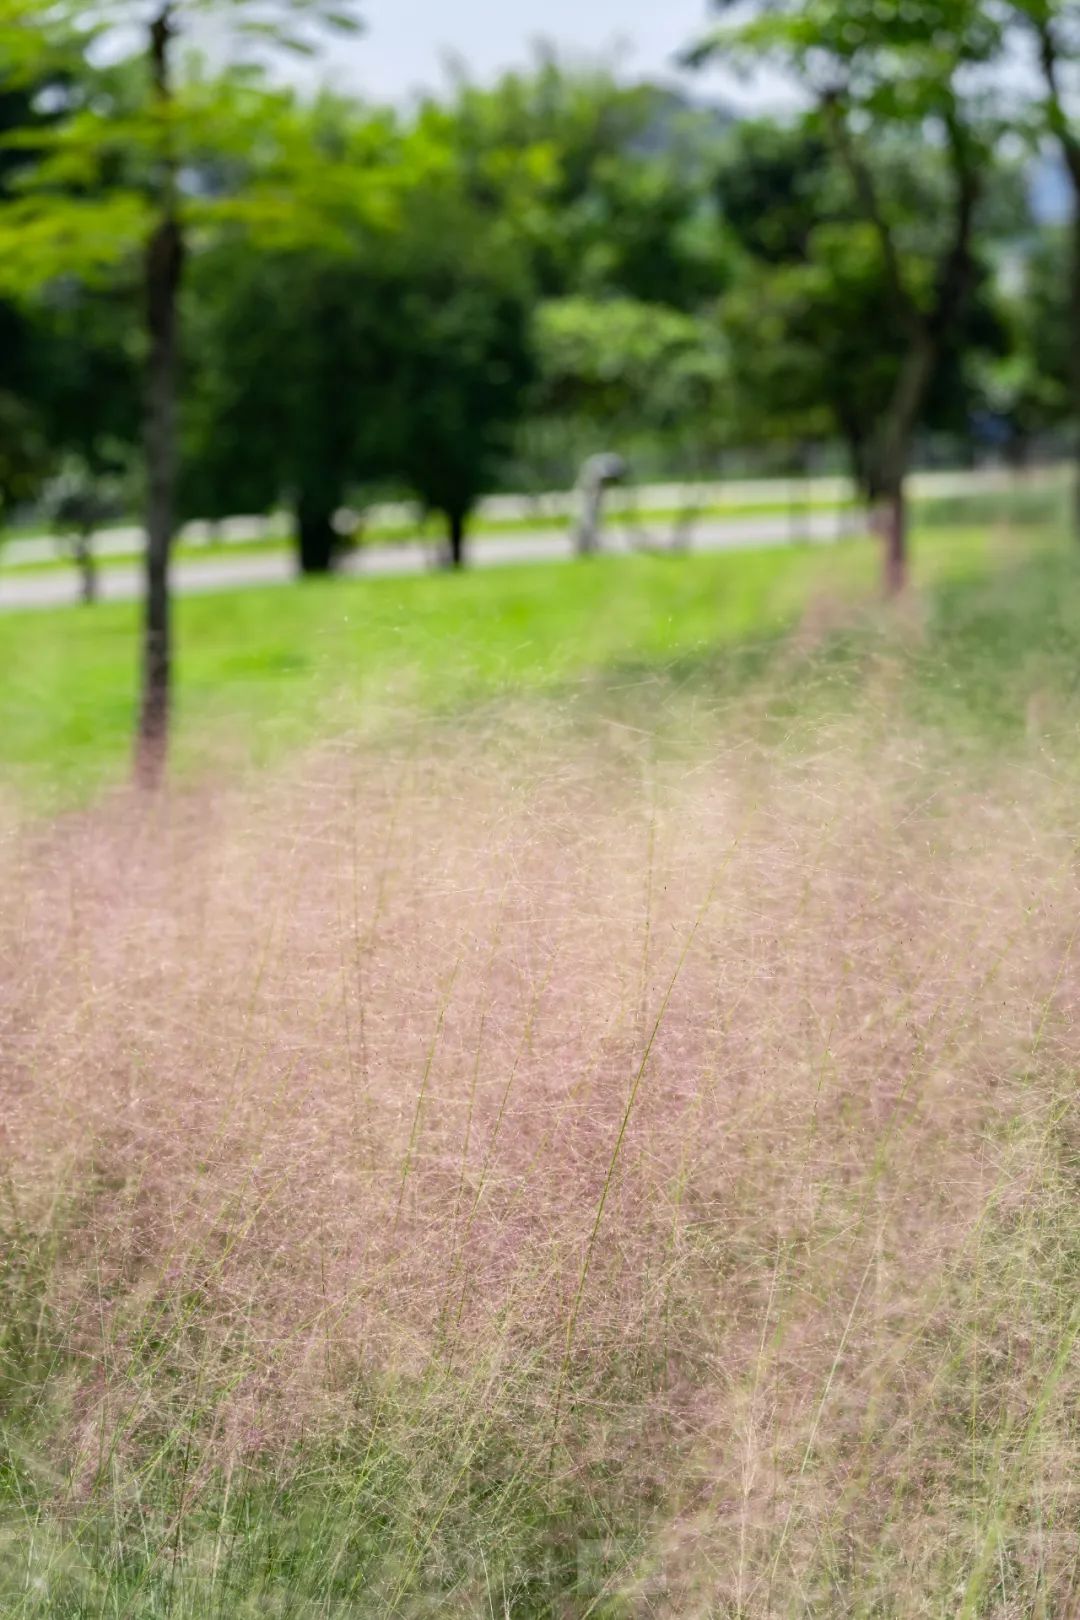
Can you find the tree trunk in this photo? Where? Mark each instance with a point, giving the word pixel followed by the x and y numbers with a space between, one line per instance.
pixel 893 459
pixel 163 283
pixel 84 558
pixel 316 538
pixel 1074 346
pixel 455 534
pixel 894 533
pixel 164 265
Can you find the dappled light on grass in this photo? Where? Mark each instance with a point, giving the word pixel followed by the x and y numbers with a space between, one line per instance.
pixel 640 1180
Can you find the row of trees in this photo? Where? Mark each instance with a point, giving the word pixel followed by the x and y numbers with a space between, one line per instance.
pixel 249 298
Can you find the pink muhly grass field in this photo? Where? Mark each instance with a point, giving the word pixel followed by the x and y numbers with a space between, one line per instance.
pixel 676 1141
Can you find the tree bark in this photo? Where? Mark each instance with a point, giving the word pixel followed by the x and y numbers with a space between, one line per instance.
pixel 894 458
pixel 163 270
pixel 895 536
pixel 316 538
pixel 455 534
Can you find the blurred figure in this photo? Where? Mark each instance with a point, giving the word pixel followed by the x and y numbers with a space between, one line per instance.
pixel 596 478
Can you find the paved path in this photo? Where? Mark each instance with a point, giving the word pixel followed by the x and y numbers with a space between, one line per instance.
pixel 124 583
pixel 776 494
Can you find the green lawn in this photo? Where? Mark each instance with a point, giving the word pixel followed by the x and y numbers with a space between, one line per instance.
pixel 262 670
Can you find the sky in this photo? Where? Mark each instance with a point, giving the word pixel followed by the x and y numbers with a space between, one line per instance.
pixel 407 41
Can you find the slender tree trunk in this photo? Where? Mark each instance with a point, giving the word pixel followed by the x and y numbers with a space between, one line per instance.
pixel 889 520
pixel 894 457
pixel 164 266
pixel 455 534
pixel 316 538
pixel 895 536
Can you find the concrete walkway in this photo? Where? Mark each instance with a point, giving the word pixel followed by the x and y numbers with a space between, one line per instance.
pixel 123 583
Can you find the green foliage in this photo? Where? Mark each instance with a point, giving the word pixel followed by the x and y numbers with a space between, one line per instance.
pixel 818 337
pixel 632 365
pixel 70 353
pixel 606 185
pixel 901 105
pixel 458 383
pixel 1029 385
pixel 24 451
pixel 773 182
pixel 25 457
pixel 408 344
pixel 88 374
pixel 606 190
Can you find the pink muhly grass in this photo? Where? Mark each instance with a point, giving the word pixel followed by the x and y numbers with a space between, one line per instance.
pixel 692 1120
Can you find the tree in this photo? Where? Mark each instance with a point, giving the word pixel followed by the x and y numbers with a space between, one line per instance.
pixel 409 345
pixel 458 373
pixel 607 190
pixel 121 178
pixel 1055 27
pixel 316 293
pixel 810 357
pixel 254 436
pixel 817 339
pixel 876 72
pixel 25 453
pixel 69 359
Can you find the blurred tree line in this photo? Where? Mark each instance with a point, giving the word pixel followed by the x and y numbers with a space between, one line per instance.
pixel 220 297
